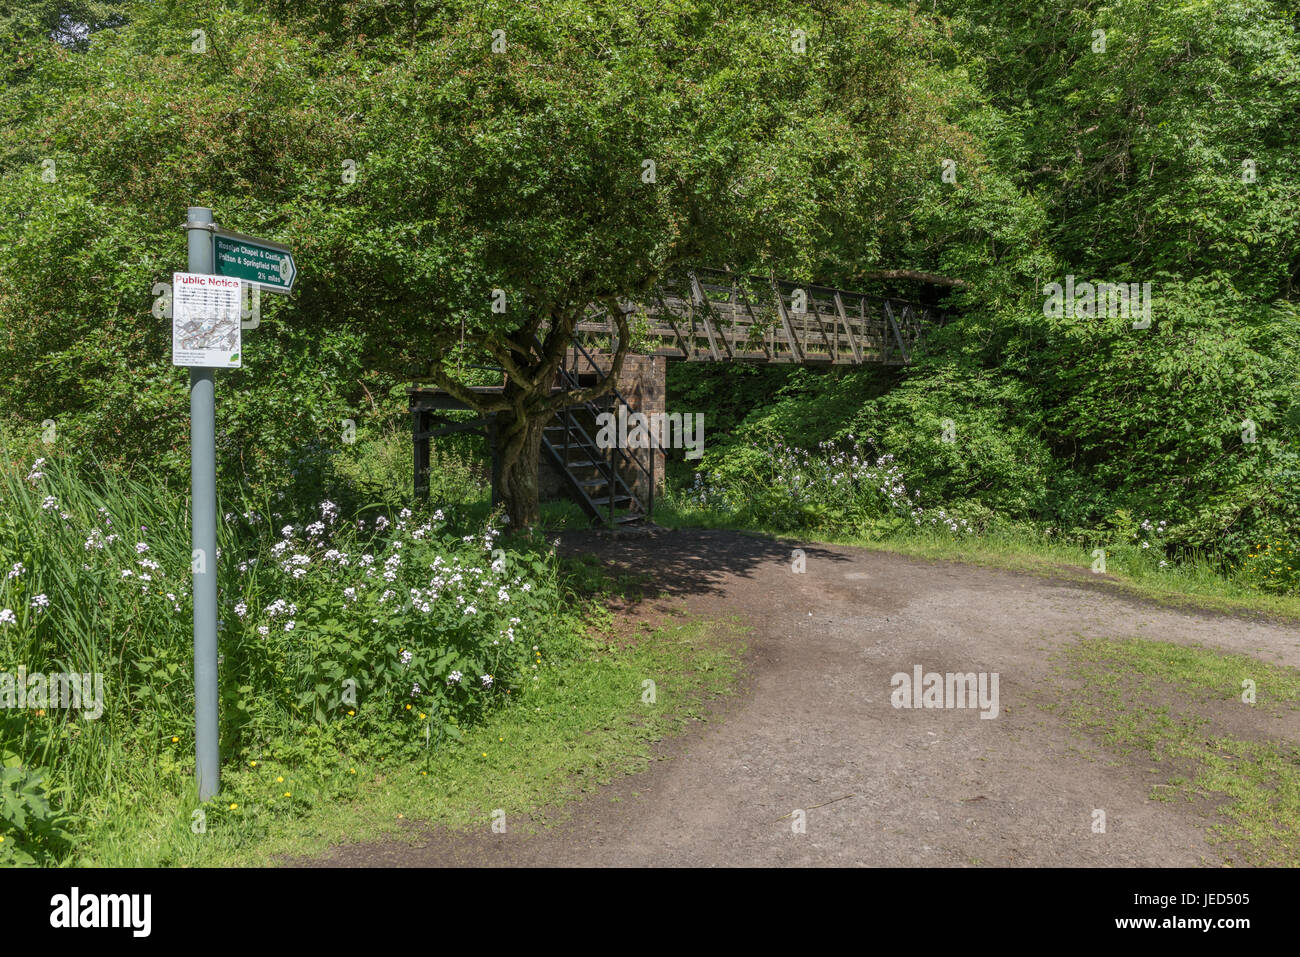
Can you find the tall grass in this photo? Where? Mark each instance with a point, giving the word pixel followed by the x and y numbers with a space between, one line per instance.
pixel 63 546
pixel 383 628
pixel 378 467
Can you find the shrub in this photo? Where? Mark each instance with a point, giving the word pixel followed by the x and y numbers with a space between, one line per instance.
pixel 844 486
pixel 392 627
pixel 1272 566
pixel 31 832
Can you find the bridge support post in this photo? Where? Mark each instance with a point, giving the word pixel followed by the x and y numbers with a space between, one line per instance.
pixel 420 435
pixel 496 463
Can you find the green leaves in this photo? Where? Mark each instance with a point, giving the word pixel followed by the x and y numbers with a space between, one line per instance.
pixel 519 170
pixel 33 832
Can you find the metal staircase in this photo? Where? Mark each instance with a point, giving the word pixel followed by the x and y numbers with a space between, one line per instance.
pixel 598 478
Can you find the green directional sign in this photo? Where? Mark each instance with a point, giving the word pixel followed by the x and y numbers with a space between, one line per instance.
pixel 258 261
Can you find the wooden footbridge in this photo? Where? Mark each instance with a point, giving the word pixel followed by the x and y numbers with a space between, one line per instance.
pixel 714 315
pixel 705 315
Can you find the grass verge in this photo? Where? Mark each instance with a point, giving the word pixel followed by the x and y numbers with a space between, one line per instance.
pixel 583 724
pixel 1178 711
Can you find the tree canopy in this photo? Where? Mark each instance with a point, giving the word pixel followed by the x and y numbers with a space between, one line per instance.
pixel 428 160
pixel 564 154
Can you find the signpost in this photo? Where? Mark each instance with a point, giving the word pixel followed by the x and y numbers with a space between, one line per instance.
pixel 256 261
pixel 206 336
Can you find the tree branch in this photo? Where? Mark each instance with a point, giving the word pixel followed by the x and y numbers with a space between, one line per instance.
pixel 505 355
pixel 578 396
pixel 933 278
pixel 481 404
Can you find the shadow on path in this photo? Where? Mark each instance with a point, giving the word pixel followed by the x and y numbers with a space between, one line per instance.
pixel 688 562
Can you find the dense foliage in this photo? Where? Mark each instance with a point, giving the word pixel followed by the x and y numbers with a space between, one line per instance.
pixel 371 634
pixel 1160 143
pixel 455 182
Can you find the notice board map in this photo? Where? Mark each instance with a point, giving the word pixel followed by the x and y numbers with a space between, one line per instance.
pixel 206 321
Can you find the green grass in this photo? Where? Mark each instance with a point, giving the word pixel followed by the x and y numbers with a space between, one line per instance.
pixel 119 790
pixel 1162 706
pixel 377 468
pixel 562 515
pixel 582 725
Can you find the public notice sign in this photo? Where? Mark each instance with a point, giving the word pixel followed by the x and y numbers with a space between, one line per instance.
pixel 206 319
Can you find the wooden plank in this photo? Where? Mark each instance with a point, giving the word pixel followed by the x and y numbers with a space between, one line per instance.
pixel 848 331
pixel 908 322
pixel 889 312
pixel 721 333
pixel 821 327
pixel 785 323
pixel 753 319
pixel 697 298
pixel 420 429
pixel 681 340
pixel 726 330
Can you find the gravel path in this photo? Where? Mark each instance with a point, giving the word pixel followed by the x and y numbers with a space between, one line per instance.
pixel 814 724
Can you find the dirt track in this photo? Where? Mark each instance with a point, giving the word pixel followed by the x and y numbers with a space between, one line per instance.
pixel 814 723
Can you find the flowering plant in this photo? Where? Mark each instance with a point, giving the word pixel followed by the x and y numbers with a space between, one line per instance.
pixel 831 486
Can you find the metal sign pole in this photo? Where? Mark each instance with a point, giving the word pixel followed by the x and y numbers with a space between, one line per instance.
pixel 203 493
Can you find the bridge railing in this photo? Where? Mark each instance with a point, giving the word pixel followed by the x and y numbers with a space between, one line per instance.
pixel 719 316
